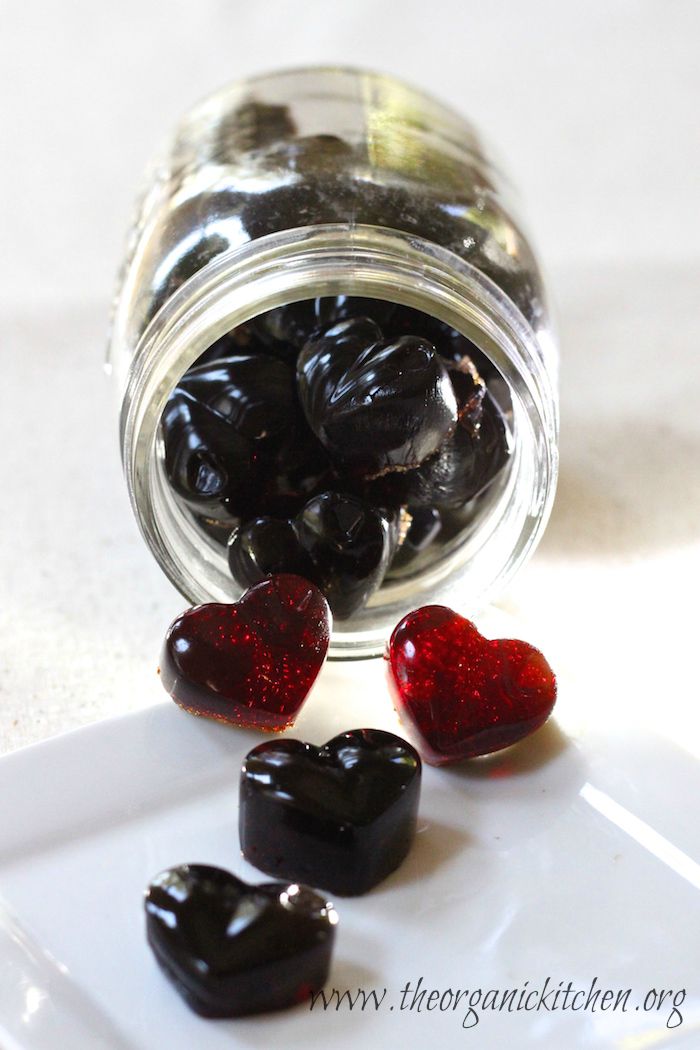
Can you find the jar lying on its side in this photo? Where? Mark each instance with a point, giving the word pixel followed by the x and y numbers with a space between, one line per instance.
pixel 333 354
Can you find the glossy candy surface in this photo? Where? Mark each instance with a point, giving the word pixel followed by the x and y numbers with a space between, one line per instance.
pixel 264 547
pixel 206 461
pixel 339 542
pixel 375 405
pixel 341 816
pixel 255 394
pixel 465 465
pixel 234 434
pixel 350 545
pixel 231 948
pixel 292 325
pixel 462 694
pixel 251 663
pixel 299 436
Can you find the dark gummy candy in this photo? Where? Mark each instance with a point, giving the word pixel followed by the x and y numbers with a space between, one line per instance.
pixel 339 542
pixel 467 463
pixel 251 663
pixel 464 466
pixel 231 948
pixel 205 459
pixel 234 432
pixel 293 324
pixel 266 546
pixel 311 436
pixel 349 543
pixel 341 816
pixel 461 694
pixel 255 394
pixel 454 347
pixel 375 405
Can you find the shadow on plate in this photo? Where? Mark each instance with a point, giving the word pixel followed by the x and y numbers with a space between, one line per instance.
pixel 525 757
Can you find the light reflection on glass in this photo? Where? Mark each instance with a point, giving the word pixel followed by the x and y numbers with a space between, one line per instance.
pixel 644 834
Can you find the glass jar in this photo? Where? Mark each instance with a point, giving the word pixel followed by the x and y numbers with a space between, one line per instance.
pixel 320 183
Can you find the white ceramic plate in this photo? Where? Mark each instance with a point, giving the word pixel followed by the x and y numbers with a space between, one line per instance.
pixel 572 861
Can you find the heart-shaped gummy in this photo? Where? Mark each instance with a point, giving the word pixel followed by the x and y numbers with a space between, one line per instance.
pixel 234 435
pixel 255 394
pixel 462 694
pixel 205 459
pixel 290 326
pixel 341 543
pixel 341 816
pixel 251 663
pixel 375 405
pixel 467 462
pixel 231 948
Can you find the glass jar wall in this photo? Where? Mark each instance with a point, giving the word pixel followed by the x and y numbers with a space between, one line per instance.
pixel 284 214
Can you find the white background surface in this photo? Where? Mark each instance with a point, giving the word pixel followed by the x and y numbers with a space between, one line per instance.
pixel 559 861
pixel 594 108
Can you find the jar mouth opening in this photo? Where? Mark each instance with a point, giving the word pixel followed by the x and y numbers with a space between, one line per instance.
pixel 371 262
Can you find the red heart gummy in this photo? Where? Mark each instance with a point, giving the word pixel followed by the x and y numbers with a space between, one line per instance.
pixel 252 663
pixel 462 694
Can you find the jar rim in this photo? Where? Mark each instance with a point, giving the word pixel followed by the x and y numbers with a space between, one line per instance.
pixel 372 262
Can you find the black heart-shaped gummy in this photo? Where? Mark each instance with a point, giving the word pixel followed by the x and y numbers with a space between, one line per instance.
pixel 464 466
pixel 350 545
pixel 264 547
pixel 234 433
pixel 463 359
pixel 375 405
pixel 254 393
pixel 467 463
pixel 454 347
pixel 339 542
pixel 341 816
pixel 450 344
pixel 257 396
pixel 205 459
pixel 231 948
pixel 293 324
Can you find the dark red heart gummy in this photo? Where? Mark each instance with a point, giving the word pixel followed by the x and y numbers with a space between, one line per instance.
pixel 462 694
pixel 232 949
pixel 251 663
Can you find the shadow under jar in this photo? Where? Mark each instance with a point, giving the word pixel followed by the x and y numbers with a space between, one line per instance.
pixel 333 354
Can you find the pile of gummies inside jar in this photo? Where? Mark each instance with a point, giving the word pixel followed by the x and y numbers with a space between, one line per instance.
pixel 349 441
